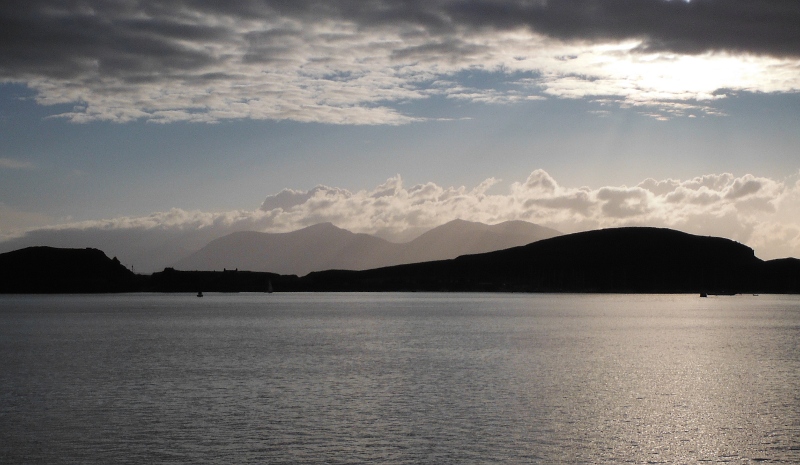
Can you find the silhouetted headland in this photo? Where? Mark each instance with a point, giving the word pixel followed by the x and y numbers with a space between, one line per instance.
pixel 623 260
pixel 41 270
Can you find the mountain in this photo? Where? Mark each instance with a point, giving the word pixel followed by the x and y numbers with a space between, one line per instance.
pixel 319 247
pixel 55 270
pixel 324 246
pixel 646 260
pixel 460 237
pixel 625 260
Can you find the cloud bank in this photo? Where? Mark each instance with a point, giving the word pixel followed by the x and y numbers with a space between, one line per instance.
pixel 760 212
pixel 356 62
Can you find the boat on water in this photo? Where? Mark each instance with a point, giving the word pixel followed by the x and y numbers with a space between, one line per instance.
pixel 200 294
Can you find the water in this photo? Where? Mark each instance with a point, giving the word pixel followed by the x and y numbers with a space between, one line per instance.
pixel 399 378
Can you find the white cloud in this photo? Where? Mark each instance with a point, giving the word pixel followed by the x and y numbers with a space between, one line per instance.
pixel 356 64
pixel 760 212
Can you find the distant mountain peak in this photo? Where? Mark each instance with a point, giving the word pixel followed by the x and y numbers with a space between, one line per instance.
pixel 319 228
pixel 325 246
pixel 322 226
pixel 462 221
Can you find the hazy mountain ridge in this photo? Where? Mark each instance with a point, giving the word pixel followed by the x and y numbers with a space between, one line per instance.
pixel 624 260
pixel 324 246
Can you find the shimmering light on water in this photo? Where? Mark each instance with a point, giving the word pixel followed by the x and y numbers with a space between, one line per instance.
pixel 399 378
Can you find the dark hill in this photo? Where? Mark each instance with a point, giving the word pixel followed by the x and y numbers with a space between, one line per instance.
pixel 172 280
pixel 780 276
pixel 646 260
pixel 54 270
pixel 626 260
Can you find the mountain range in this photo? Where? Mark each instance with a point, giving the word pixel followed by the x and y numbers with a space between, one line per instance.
pixel 326 247
pixel 623 260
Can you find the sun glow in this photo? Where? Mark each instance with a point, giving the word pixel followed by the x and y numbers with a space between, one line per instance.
pixel 699 77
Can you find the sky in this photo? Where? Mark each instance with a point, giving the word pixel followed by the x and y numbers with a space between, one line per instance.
pixel 134 126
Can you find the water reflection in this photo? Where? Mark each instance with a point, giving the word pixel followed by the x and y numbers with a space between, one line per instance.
pixel 399 378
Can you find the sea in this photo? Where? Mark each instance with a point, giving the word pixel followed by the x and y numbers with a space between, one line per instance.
pixel 399 378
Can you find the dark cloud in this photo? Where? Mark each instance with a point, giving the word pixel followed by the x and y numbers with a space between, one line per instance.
pixel 265 47
pixel 205 60
pixel 62 38
pixel 769 27
pixel 451 48
pixel 66 39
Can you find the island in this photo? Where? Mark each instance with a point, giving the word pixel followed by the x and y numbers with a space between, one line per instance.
pixel 618 260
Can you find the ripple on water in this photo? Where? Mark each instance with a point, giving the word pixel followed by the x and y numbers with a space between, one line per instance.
pixel 399 378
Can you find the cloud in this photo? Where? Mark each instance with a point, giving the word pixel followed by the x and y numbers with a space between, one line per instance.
pixel 760 212
pixel 623 202
pixel 288 198
pixel 693 27
pixel 11 164
pixel 355 62
pixel 743 188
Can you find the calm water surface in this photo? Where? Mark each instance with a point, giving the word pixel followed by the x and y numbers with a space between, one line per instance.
pixel 399 378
